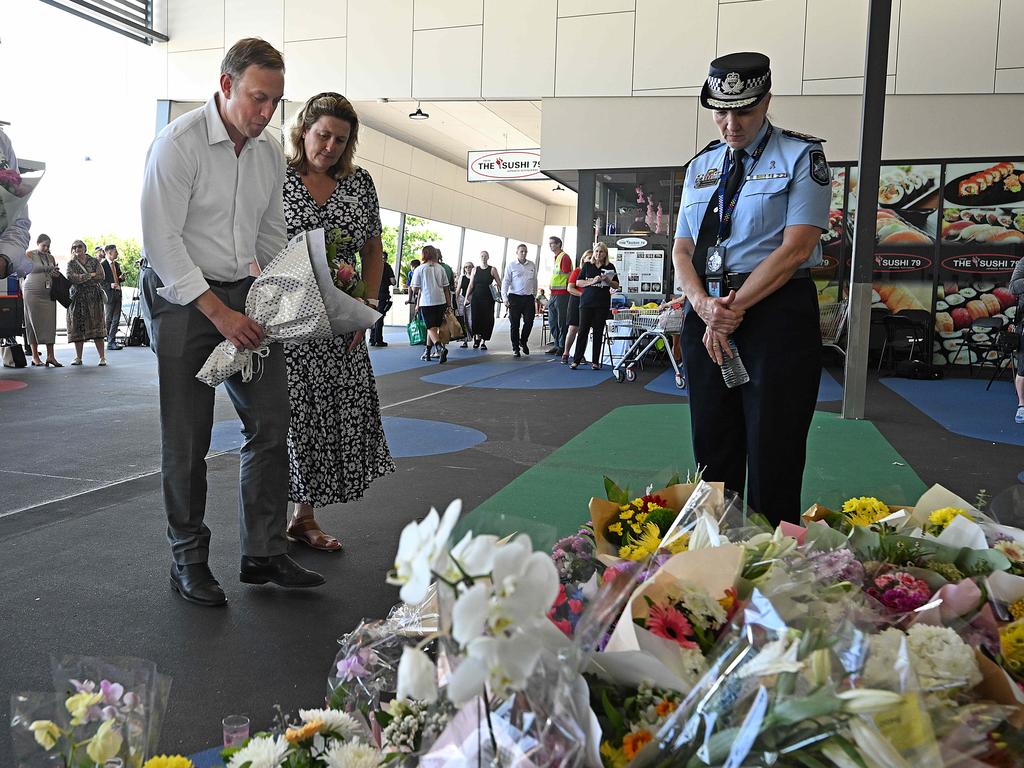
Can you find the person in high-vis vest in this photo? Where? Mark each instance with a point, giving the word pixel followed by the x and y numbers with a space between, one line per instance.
pixel 558 305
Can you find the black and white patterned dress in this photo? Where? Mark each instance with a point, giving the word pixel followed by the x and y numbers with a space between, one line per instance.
pixel 336 443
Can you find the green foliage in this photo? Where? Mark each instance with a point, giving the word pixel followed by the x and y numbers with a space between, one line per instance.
pixel 129 252
pixel 416 236
pixel 615 494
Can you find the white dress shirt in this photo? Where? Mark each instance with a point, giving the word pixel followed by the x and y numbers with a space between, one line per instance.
pixel 207 214
pixel 14 239
pixel 520 279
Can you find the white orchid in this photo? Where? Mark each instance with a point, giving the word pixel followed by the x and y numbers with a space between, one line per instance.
pixel 502 664
pixel 422 552
pixel 417 676
pixel 473 555
pixel 776 657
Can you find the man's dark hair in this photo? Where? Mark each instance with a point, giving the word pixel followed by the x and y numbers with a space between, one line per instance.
pixel 42 239
pixel 247 52
pixel 110 248
pixel 557 240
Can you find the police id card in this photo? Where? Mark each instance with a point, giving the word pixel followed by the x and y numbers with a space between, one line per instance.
pixel 715 270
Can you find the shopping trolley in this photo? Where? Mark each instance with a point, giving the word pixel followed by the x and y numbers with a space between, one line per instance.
pixel 650 327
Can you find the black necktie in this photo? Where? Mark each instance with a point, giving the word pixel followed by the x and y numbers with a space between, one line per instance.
pixel 708 234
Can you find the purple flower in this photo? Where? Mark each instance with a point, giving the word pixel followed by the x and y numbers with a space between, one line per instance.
pixel 838 565
pixel 112 692
pixel 84 686
pixel 109 713
pixel 354 666
pixel 130 699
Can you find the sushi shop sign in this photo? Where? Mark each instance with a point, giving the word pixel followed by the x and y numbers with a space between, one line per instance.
pixel 507 165
pixel 981 263
pixel 901 262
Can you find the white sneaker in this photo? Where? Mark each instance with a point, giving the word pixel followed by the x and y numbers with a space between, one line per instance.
pixel 1019 418
pixel 77 361
pixel 103 361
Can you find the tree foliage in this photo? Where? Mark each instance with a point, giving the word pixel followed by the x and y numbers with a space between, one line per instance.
pixel 416 236
pixel 129 252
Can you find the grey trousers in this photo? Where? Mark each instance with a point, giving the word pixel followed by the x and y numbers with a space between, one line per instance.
pixel 113 316
pixel 183 338
pixel 558 314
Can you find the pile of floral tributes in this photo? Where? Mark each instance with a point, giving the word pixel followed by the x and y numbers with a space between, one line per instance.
pixel 673 629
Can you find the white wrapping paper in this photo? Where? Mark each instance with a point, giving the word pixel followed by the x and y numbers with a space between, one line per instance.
pixel 295 300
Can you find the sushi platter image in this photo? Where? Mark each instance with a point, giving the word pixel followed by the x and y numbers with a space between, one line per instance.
pixel 998 226
pixel 838 187
pixel 996 184
pixel 906 228
pixel 835 228
pixel 904 186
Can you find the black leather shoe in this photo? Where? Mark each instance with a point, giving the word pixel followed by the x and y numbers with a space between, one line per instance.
pixel 195 583
pixel 526 349
pixel 279 569
pixel 382 343
pixel 515 353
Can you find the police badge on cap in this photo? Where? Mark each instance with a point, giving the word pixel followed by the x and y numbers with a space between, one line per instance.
pixel 736 81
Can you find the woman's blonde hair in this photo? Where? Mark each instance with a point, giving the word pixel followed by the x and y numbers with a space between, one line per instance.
pixel 601 248
pixel 326 104
pixel 587 254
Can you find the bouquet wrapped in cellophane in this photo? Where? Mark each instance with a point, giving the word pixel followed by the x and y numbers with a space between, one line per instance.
pixel 103 710
pixel 16 188
pixel 295 300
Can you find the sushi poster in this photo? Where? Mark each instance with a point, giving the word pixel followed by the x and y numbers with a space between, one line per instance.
pixel 828 276
pixel 981 240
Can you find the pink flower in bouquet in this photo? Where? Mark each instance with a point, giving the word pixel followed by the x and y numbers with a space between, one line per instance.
pixel 900 591
pixel 346 273
pixel 112 692
pixel 10 180
pixel 670 623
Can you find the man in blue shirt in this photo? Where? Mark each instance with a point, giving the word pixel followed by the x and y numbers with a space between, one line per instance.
pixel 753 208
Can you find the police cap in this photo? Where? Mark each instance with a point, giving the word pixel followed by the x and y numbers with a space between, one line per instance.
pixel 737 81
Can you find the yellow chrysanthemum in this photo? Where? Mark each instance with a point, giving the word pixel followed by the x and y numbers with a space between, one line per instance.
pixel 634 742
pixel 616 528
pixel 940 518
pixel 679 543
pixel 1017 610
pixel 1011 644
pixel 864 510
pixel 626 512
pixel 641 517
pixel 613 758
pixel 307 731
pixel 168 761
pixel 645 544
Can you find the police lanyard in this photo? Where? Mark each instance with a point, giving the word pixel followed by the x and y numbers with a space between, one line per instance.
pixel 725 219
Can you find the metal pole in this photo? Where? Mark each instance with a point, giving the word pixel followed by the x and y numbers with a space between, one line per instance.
pixel 869 162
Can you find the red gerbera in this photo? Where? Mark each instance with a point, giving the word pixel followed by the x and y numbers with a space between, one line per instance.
pixel 670 623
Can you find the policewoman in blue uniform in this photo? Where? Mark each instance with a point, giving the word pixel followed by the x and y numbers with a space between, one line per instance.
pixel 753 210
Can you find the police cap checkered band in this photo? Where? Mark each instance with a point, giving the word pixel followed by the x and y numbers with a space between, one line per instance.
pixel 737 80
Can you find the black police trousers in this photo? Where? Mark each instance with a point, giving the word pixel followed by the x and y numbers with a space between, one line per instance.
pixel 755 436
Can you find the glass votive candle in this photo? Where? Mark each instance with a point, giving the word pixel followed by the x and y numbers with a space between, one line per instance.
pixel 236 730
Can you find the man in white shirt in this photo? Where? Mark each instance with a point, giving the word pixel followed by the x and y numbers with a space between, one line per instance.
pixel 519 287
pixel 211 206
pixel 15 236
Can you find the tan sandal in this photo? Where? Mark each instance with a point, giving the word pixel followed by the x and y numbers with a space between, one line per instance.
pixel 307 531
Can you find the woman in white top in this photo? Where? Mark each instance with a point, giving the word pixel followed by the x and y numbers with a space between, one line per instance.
pixel 430 283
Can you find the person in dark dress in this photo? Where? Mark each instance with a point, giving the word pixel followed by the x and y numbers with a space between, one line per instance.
pixel 596 280
pixel 387 279
pixel 336 442
pixel 462 305
pixel 481 301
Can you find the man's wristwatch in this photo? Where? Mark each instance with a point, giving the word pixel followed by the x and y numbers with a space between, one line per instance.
pixel 371 302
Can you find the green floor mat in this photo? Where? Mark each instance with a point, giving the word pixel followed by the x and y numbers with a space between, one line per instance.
pixel 640 444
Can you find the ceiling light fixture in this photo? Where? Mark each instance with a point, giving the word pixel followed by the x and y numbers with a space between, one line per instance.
pixel 419 114
pixel 558 188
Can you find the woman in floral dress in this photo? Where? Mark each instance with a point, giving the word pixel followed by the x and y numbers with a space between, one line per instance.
pixel 85 313
pixel 336 443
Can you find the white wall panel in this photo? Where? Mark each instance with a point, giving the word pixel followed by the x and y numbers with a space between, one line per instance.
pixel 393 192
pixel 397 155
pixel 584 7
pixel 691 91
pixel 194 25
pixel 1011 22
pixel 313 66
pixel 843 85
pixel 578 133
pixel 420 194
pixel 431 14
pixel 441 204
pixel 311 19
pixel 371 145
pixel 946 47
pixel 449 175
pixel 254 18
pixel 376 171
pixel 591 59
pixel 193 75
pixel 424 165
pixel 518 58
pixel 1010 80
pixel 379 49
pixel 462 209
pixel 772 27
pixel 829 54
pixel 446 63
pixel 674 42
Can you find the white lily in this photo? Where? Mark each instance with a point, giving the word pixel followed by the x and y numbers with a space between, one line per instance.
pixel 417 676
pixel 868 700
pixel 422 551
pixel 873 746
pixel 838 755
pixel 706 534
pixel 776 657
pixel 503 664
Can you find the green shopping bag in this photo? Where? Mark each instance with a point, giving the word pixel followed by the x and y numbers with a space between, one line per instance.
pixel 417 331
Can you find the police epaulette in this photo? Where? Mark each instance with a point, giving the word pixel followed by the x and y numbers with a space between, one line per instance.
pixel 711 145
pixel 802 137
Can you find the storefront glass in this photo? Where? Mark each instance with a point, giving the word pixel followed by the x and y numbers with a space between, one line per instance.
pixel 627 202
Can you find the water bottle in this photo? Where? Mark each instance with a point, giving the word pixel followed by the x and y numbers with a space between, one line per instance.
pixel 733 370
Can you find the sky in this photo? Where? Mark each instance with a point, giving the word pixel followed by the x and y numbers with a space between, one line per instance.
pixel 71 91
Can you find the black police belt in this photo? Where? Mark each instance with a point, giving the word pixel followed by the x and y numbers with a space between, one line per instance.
pixel 733 281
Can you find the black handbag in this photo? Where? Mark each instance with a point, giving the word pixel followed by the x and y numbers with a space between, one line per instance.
pixel 60 289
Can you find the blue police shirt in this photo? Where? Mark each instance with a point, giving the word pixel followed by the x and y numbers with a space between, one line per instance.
pixel 787 186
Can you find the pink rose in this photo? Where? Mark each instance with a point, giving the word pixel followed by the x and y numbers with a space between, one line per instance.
pixel 346 273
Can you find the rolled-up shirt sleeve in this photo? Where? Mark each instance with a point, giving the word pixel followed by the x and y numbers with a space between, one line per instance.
pixel 15 238
pixel 166 190
pixel 272 235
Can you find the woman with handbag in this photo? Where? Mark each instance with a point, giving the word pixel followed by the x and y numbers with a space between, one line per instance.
pixel 85 313
pixel 1017 289
pixel 430 282
pixel 40 307
pixel 482 295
